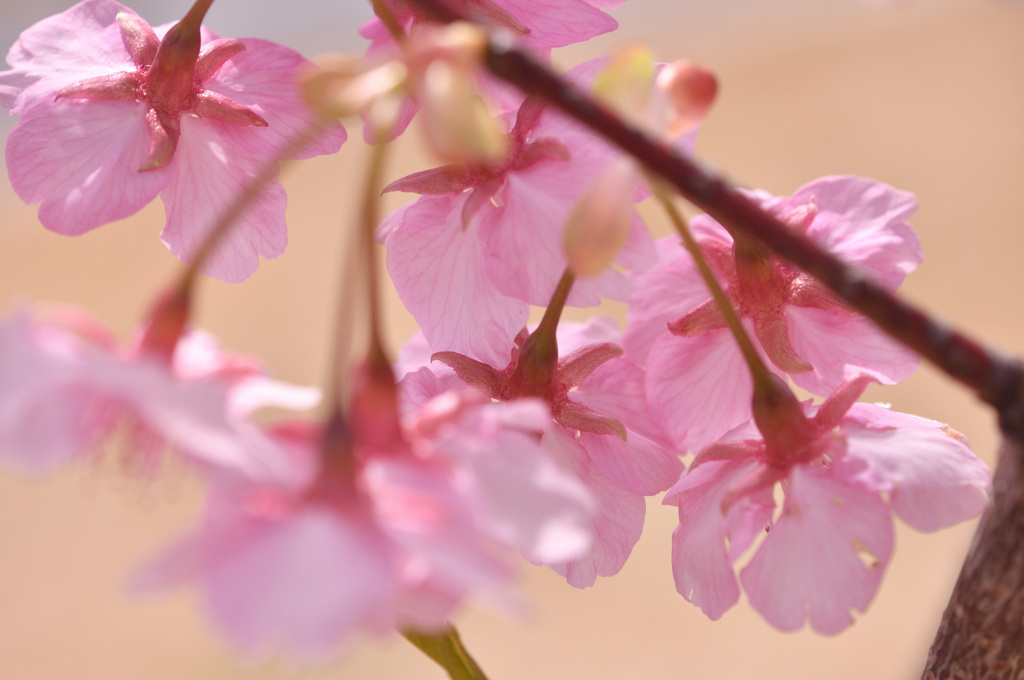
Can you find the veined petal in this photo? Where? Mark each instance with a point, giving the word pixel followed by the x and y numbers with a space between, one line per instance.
pixel 637 464
pixel 80 43
pixel 525 237
pixel 526 498
pixel 595 330
pixel 699 387
pixel 557 23
pixel 645 463
pixel 864 222
pixel 839 344
pixel 701 563
pixel 932 477
pixel 263 79
pixel 441 273
pixel 660 295
pixel 209 173
pixel 81 160
pixel 619 520
pixel 824 556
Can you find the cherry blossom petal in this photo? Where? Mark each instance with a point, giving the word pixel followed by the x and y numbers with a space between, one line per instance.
pixel 307 581
pixel 434 525
pixel 644 463
pixel 209 175
pixel 442 274
pixel 595 330
pixel 824 556
pixel 932 477
pixel 37 432
pixel 701 563
pixel 81 160
pixel 527 500
pixel 524 238
pixel 416 388
pixel 557 23
pixel 839 345
pixel 81 42
pixel 699 387
pixel 264 79
pixel 619 520
pixel 637 464
pixel 863 222
pixel 194 416
pixel 660 295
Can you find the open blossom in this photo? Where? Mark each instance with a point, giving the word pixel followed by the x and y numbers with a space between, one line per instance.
pixel 485 241
pixel 845 468
pixel 602 432
pixel 697 381
pixel 381 539
pixel 66 389
pixel 113 113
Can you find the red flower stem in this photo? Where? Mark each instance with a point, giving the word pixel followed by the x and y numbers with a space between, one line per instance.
pixel 997 379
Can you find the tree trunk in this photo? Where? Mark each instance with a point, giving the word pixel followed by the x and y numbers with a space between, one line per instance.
pixel 982 630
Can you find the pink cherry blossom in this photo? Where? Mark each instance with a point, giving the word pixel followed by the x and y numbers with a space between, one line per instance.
pixel 539 27
pixel 545 25
pixel 380 540
pixel 483 242
pixel 603 433
pixel 844 469
pixel 697 381
pixel 111 117
pixel 66 390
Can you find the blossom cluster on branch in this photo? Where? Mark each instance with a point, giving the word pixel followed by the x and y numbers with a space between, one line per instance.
pixel 486 439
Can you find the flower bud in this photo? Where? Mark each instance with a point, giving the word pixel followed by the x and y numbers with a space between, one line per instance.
pixel 600 222
pixel 338 86
pixel 689 90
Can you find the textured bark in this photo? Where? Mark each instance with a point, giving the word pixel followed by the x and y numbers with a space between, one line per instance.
pixel 982 630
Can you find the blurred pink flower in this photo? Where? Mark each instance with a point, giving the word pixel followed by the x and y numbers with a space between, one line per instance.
pixel 111 117
pixel 845 469
pixel 697 381
pixel 66 390
pixel 381 540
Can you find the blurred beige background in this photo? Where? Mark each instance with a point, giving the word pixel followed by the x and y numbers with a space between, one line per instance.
pixel 928 96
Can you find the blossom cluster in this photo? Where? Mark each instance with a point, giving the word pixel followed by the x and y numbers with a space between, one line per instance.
pixel 487 439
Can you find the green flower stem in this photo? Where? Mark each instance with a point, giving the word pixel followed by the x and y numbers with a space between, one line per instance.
pixel 759 372
pixel 447 650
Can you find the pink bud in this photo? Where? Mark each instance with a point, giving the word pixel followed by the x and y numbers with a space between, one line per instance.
pixel 690 90
pixel 600 222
